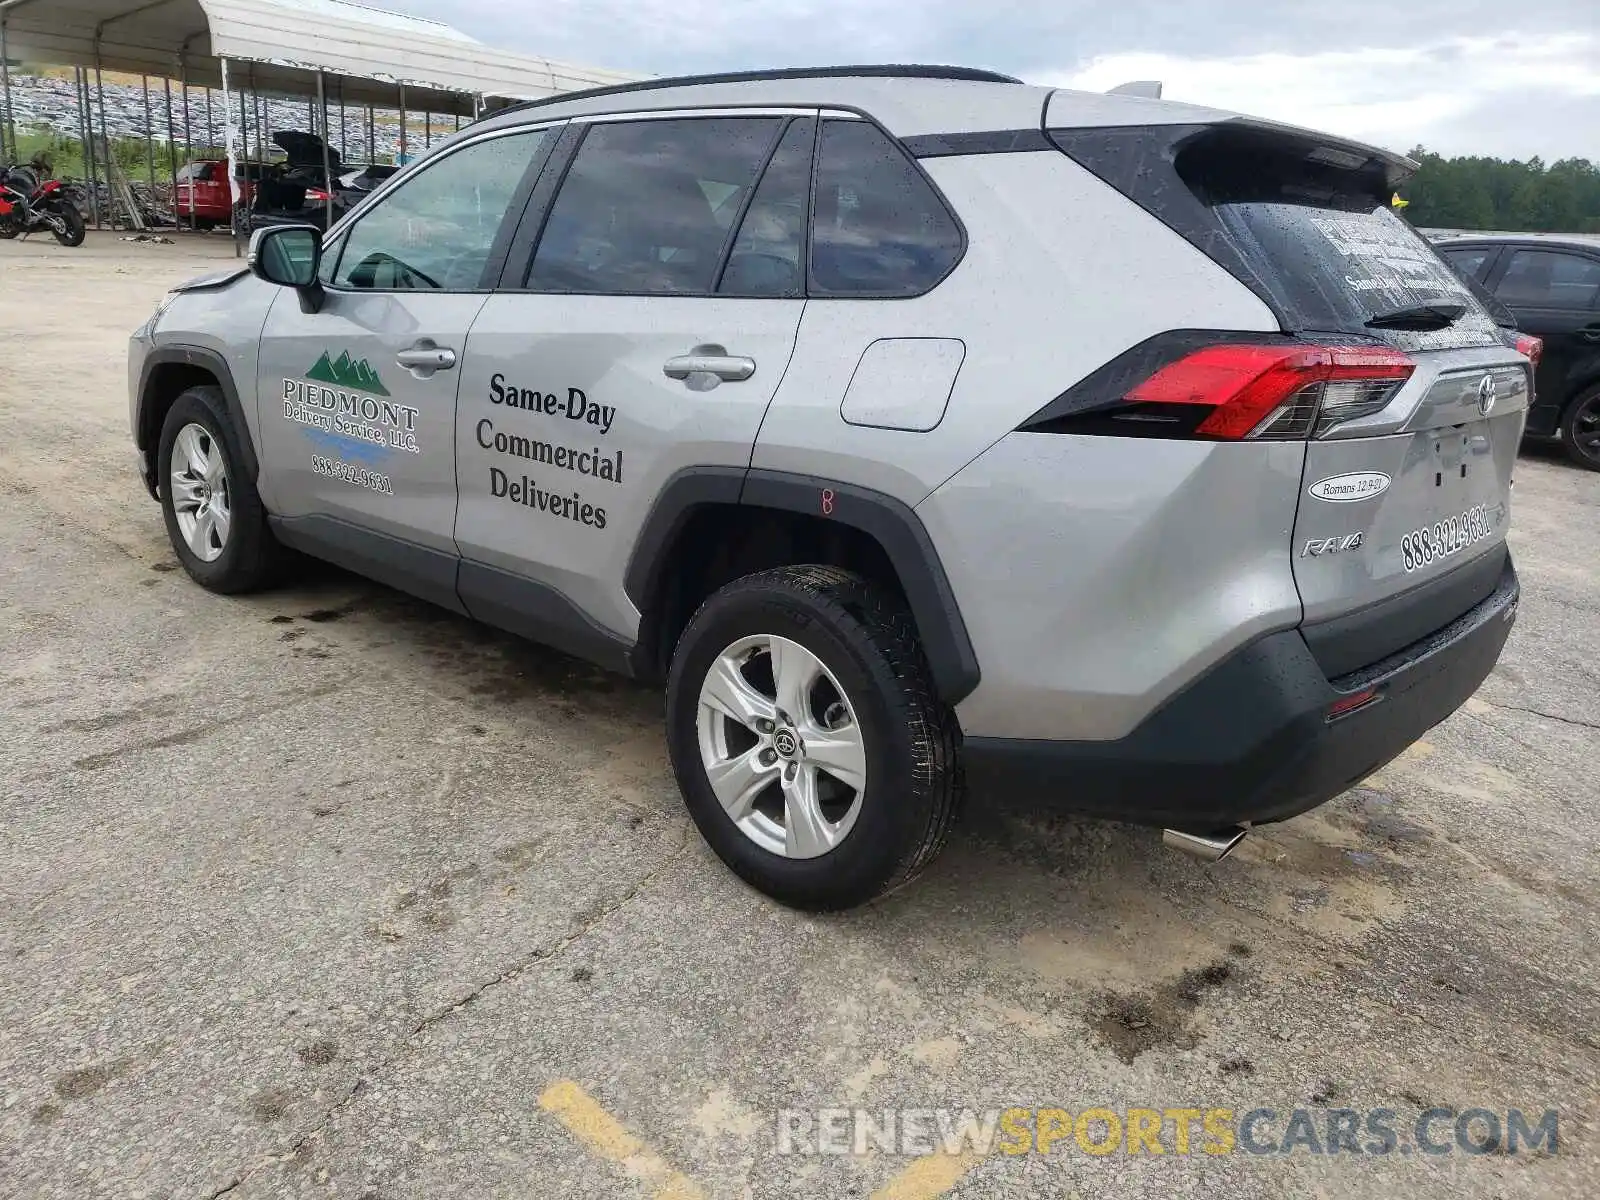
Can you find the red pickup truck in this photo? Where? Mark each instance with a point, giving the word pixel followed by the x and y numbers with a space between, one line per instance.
pixel 203 191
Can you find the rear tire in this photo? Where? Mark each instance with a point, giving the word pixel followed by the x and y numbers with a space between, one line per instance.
pixel 215 519
pixel 864 709
pixel 1580 430
pixel 75 231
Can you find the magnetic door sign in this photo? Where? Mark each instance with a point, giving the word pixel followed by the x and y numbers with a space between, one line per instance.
pixel 346 401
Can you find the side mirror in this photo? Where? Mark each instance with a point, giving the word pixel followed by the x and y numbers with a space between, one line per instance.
pixel 290 256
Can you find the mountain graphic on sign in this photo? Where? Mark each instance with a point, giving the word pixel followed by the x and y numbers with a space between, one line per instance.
pixel 347 372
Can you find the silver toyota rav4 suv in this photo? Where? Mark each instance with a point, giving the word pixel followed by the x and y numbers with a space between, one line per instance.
pixel 927 433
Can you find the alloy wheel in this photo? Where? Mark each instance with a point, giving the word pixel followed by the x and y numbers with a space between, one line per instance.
pixel 1586 429
pixel 201 501
pixel 781 746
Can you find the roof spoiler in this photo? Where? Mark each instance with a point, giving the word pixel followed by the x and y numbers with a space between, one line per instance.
pixel 1150 89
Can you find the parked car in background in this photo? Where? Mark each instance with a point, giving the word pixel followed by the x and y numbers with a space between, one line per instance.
pixel 299 189
pixel 366 179
pixel 203 192
pixel 1551 285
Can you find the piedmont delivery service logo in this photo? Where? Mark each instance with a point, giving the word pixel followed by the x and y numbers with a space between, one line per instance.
pixel 344 410
pixel 347 372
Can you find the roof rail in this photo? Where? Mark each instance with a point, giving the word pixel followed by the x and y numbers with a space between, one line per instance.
pixel 969 74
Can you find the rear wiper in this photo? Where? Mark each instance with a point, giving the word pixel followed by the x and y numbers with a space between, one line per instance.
pixel 1420 317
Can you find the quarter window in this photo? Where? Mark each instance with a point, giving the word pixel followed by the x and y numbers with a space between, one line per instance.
pixel 1550 279
pixel 436 230
pixel 648 206
pixel 879 229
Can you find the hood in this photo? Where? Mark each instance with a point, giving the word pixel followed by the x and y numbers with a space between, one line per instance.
pixel 304 149
pixel 215 279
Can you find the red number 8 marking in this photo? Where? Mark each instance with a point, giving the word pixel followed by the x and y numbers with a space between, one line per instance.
pixel 827 502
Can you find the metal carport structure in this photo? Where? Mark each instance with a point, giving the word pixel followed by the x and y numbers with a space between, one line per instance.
pixel 290 48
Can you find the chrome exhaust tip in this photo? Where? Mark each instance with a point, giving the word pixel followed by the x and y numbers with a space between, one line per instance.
pixel 1209 847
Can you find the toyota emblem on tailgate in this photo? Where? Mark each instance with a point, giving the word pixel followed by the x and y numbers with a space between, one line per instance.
pixel 1486 395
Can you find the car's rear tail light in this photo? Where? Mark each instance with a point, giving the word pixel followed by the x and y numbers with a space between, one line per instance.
pixel 1277 392
pixel 1530 347
pixel 316 194
pixel 1345 705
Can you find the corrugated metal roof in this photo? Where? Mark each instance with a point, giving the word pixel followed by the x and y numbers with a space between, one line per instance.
pixel 278 45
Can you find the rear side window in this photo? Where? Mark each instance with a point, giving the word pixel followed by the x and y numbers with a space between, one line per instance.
pixel 879 228
pixel 1550 279
pixel 199 172
pixel 1468 263
pixel 768 256
pixel 648 207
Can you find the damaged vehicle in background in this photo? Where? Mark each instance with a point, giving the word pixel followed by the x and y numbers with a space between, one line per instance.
pixel 300 189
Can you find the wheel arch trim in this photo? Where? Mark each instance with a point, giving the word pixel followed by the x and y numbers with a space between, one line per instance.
pixel 892 524
pixel 212 362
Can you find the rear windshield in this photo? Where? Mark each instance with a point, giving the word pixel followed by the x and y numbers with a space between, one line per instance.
pixel 1307 226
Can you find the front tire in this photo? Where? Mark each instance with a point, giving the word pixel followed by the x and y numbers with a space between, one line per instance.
pixel 75 231
pixel 214 515
pixel 1580 430
pixel 807 740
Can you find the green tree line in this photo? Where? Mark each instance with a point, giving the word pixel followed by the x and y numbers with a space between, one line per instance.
pixel 1492 193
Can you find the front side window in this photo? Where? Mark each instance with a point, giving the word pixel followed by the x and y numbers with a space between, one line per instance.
pixel 1550 279
pixel 437 229
pixel 648 206
pixel 879 229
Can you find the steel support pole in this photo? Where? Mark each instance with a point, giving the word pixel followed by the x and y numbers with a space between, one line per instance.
pixel 401 156
pixel 150 142
pixel 233 158
pixel 344 145
pixel 188 147
pixel 105 137
pixel 8 128
pixel 90 158
pixel 372 138
pixel 211 123
pixel 172 154
pixel 327 168
pixel 427 129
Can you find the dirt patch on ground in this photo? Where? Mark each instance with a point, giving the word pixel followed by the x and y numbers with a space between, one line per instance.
pixel 1133 1023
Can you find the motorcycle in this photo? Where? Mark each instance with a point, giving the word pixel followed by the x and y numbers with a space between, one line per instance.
pixel 30 205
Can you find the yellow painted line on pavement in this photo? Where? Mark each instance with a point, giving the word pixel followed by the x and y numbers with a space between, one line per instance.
pixel 605 1137
pixel 927 1177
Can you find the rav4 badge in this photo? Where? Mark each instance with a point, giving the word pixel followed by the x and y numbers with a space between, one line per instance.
pixel 1317 547
pixel 1347 489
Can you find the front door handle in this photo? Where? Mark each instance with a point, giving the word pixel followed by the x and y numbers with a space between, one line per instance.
pixel 423 359
pixel 1590 333
pixel 704 367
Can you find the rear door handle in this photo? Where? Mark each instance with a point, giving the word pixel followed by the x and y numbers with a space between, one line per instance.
pixel 423 359
pixel 1590 333
pixel 706 366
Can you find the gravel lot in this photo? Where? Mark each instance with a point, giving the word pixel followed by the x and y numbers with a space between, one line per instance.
pixel 324 892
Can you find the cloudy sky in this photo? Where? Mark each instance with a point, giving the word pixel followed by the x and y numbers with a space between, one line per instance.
pixel 1459 76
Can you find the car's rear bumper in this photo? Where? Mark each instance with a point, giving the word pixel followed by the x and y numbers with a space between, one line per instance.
pixel 1251 741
